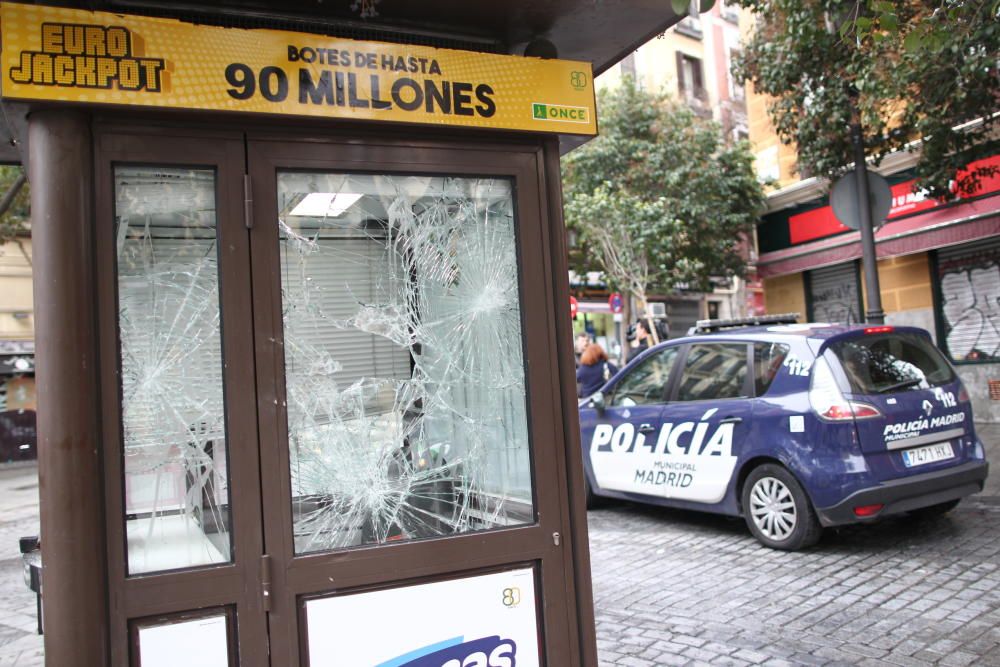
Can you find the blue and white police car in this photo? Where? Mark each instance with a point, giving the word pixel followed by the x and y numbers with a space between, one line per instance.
pixel 792 426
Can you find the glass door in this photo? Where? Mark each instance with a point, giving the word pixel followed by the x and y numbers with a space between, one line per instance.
pixel 399 439
pixel 180 441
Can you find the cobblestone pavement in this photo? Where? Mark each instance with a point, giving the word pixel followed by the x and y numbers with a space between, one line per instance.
pixel 19 645
pixel 685 588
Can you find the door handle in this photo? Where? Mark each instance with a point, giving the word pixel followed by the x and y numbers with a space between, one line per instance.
pixel 646 428
pixel 731 420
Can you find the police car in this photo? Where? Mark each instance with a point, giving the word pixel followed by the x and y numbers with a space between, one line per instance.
pixel 795 427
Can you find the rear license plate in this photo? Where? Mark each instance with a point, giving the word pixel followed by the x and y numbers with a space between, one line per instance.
pixel 929 454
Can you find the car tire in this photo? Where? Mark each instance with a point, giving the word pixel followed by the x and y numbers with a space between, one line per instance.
pixel 778 511
pixel 593 501
pixel 935 510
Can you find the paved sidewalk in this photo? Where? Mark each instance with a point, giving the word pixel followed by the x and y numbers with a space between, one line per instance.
pixel 19 645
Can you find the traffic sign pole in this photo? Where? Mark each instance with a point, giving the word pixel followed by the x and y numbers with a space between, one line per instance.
pixel 873 295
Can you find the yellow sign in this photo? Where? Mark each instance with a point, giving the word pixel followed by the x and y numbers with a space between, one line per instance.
pixel 52 53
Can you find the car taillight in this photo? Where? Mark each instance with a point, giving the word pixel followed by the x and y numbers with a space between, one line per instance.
pixel 828 401
pixel 878 330
pixel 963 395
pixel 868 510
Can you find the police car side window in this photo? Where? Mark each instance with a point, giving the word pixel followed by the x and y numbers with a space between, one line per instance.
pixel 647 383
pixel 767 361
pixel 714 371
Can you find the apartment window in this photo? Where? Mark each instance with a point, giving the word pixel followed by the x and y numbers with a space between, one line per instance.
pixel 690 80
pixel 690 25
pixel 730 11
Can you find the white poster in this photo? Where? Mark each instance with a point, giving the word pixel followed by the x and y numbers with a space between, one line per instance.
pixel 483 621
pixel 200 642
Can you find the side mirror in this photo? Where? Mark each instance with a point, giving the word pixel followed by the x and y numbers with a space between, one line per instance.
pixel 597 402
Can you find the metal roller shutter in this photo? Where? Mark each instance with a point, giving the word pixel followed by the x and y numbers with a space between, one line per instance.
pixel 969 283
pixel 834 294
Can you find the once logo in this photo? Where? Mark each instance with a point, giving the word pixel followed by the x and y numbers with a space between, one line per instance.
pixel 559 112
pixel 578 80
pixel 511 596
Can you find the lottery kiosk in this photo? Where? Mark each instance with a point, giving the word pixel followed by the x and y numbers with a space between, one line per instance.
pixel 300 285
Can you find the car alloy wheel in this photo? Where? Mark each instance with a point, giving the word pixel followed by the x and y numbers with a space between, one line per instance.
pixel 777 509
pixel 772 508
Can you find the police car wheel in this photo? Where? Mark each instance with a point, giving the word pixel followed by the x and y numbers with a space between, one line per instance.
pixel 777 510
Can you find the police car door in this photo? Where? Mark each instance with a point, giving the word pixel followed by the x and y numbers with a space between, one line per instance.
pixel 625 432
pixel 704 424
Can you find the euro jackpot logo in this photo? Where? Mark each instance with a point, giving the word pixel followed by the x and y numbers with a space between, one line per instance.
pixel 77 55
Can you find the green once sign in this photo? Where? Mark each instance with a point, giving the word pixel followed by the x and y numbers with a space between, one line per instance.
pixel 558 112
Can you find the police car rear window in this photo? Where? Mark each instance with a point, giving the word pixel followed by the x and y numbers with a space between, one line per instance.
pixel 887 363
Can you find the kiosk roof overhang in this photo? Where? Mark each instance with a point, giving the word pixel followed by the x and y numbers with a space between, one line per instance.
pixel 601 32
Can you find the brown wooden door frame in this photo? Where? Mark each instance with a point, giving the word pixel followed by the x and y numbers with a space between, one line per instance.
pixel 227 585
pixel 562 572
pixel 295 577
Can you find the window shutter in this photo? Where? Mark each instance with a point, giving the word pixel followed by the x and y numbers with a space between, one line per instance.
pixel 680 71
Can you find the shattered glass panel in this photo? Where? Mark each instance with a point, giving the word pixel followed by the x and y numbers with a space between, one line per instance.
pixel 176 495
pixel 403 358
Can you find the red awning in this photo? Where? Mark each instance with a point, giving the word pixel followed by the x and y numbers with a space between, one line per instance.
pixel 935 229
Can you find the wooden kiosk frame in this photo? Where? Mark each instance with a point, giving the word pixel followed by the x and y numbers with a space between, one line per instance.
pixel 94 611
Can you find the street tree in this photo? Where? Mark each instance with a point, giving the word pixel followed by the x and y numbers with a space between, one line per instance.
pixel 921 75
pixel 14 220
pixel 659 200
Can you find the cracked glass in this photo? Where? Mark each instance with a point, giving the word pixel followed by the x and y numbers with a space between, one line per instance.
pixel 173 418
pixel 405 385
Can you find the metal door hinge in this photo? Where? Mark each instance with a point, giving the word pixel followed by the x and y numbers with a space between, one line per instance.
pixel 265 581
pixel 247 201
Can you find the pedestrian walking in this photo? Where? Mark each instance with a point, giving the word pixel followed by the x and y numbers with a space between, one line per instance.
pixel 594 370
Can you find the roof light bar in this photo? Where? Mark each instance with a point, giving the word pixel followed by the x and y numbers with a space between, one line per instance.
pixel 706 326
pixel 878 330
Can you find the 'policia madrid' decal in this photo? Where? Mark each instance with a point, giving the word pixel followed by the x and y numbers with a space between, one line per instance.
pixel 687 460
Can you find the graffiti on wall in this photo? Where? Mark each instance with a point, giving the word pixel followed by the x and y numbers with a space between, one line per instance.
pixel 970 303
pixel 836 303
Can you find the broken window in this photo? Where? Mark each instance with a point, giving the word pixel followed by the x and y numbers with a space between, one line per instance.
pixel 173 421
pixel 404 365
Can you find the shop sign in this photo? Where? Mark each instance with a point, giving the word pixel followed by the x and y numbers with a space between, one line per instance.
pixel 69 55
pixel 820 222
pixel 482 621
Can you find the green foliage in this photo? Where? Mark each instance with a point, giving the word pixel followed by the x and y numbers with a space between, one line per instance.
pixel 15 221
pixel 914 69
pixel 658 199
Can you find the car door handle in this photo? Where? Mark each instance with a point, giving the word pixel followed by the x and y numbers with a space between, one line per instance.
pixel 731 420
pixel 646 428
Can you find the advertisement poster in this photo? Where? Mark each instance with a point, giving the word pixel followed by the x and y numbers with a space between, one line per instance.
pixel 201 642
pixel 71 55
pixel 483 621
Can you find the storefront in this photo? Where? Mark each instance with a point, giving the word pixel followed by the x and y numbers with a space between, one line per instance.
pixel 17 401
pixel 939 269
pixel 299 302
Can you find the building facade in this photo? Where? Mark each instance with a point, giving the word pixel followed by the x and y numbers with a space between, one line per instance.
pixel 938 264
pixel 691 62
